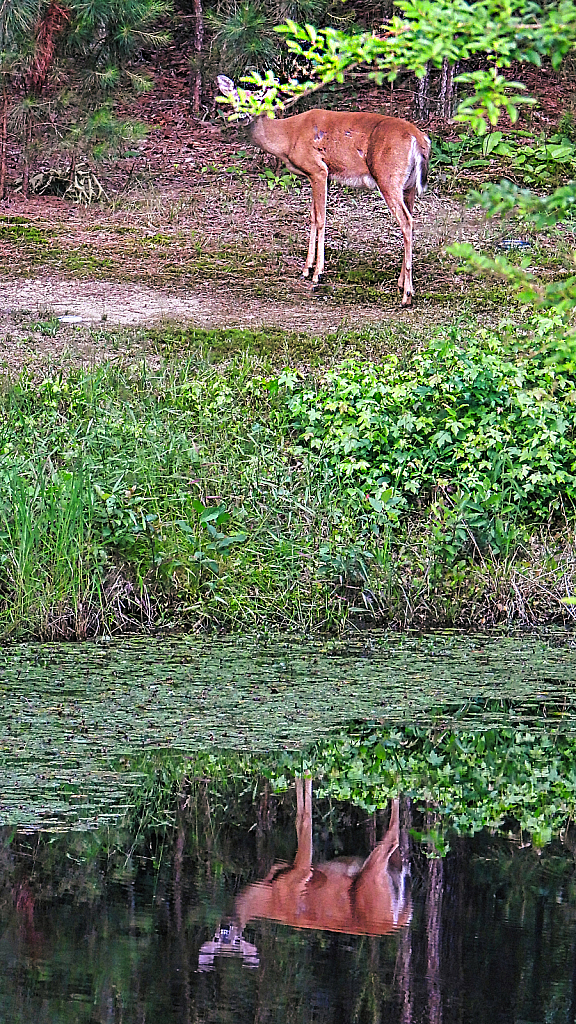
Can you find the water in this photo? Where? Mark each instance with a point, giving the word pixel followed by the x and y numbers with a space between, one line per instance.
pixel 159 803
pixel 76 721
pixel 88 934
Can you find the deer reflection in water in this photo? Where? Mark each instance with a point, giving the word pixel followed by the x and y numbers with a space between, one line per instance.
pixel 354 895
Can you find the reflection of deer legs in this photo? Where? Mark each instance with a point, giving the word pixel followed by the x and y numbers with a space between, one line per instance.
pixel 284 884
pixel 346 894
pixel 303 860
pixel 370 878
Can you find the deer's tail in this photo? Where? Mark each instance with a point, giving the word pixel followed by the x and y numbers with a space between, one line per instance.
pixel 417 174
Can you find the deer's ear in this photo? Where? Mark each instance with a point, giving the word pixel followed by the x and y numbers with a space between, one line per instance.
pixel 226 86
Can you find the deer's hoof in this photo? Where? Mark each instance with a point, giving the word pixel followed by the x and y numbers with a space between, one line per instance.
pixel 407 300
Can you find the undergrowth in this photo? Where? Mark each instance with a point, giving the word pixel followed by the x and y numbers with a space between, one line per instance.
pixel 434 488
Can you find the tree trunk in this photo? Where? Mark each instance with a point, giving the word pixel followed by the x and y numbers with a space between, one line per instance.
pixel 196 82
pixel 446 89
pixel 26 154
pixel 3 142
pixel 422 93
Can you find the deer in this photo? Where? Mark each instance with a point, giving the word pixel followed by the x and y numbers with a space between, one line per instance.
pixel 362 150
pixel 353 895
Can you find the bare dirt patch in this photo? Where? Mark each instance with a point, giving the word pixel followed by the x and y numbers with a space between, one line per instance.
pixel 228 256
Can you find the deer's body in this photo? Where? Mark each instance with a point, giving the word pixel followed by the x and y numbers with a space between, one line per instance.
pixel 347 894
pixel 359 149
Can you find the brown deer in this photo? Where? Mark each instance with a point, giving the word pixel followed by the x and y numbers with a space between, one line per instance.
pixel 346 894
pixel 359 149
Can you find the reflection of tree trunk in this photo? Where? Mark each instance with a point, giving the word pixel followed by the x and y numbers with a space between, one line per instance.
pixel 178 859
pixel 404 959
pixel 183 953
pixel 537 1000
pixel 262 830
pixel 205 802
pixel 403 968
pixel 375 985
pixel 263 999
pixel 371 831
pixel 196 82
pixel 454 903
pixel 434 935
pixel 572 1012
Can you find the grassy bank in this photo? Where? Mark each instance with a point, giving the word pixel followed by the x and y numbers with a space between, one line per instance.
pixel 432 488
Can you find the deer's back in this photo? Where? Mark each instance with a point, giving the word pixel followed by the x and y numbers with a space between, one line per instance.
pixel 348 144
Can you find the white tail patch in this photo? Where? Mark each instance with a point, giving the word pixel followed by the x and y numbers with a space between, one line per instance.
pixel 417 170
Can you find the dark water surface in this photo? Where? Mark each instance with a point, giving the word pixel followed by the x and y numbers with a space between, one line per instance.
pixel 485 934
pixel 371 831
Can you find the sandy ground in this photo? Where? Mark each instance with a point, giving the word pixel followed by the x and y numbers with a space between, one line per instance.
pixel 108 303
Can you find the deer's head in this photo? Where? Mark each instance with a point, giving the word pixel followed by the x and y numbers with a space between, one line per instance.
pixel 227 942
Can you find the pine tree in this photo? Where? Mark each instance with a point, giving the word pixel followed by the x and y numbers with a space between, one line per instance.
pixel 72 55
pixel 16 20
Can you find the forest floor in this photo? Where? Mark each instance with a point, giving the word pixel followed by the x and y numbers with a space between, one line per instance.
pixel 202 230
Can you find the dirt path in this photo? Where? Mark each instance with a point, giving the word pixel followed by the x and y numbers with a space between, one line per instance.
pixel 220 251
pixel 226 254
pixel 125 304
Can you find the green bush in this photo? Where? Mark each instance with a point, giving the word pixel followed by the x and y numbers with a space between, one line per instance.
pixel 539 162
pixel 488 432
pixel 212 494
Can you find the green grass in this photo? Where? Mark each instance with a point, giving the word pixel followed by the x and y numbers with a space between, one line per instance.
pixel 18 229
pixel 215 492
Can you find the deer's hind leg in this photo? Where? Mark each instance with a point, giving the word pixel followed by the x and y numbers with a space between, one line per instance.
pixel 395 202
pixel 409 198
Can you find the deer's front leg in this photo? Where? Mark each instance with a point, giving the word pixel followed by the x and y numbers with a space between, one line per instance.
pixel 319 183
pixel 320 194
pixel 312 242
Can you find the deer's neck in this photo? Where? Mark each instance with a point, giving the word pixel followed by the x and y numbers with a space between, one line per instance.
pixel 268 134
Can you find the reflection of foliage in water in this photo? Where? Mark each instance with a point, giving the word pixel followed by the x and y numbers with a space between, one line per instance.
pixel 86 739
pixel 472 778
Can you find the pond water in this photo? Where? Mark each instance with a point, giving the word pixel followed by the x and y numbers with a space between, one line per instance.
pixel 369 831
